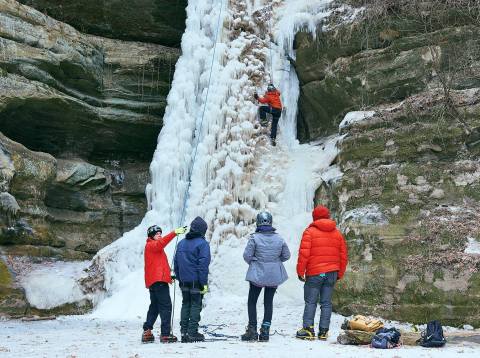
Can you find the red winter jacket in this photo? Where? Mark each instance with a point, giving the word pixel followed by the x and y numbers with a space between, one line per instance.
pixel 272 98
pixel 323 249
pixel 157 268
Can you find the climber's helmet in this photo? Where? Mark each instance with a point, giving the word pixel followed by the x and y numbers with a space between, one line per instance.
pixel 264 218
pixel 152 230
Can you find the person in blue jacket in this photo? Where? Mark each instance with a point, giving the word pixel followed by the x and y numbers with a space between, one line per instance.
pixel 191 262
pixel 265 253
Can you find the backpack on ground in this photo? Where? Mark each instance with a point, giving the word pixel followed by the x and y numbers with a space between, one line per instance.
pixel 386 338
pixel 362 323
pixel 433 335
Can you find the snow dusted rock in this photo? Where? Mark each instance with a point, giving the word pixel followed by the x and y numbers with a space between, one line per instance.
pixel 437 194
pixel 367 215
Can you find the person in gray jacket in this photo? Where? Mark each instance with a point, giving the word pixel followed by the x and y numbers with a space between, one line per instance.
pixel 265 253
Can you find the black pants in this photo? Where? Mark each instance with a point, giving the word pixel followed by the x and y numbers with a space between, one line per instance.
pixel 191 308
pixel 253 294
pixel 160 303
pixel 276 113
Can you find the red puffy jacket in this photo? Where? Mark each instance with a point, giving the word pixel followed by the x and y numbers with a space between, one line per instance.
pixel 272 98
pixel 323 249
pixel 157 268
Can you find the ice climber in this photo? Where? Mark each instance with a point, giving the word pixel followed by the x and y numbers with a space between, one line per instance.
pixel 157 278
pixel 322 260
pixel 273 106
pixel 265 253
pixel 191 263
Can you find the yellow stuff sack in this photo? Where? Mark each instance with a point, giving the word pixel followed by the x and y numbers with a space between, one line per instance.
pixel 367 324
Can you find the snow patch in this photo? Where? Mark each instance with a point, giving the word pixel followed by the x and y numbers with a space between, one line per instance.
pixel 53 284
pixel 354 117
pixel 473 246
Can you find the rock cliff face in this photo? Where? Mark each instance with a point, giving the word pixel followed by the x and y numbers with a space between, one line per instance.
pixel 79 118
pixel 156 21
pixel 408 200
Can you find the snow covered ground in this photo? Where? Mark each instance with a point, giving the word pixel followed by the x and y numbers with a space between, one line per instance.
pixel 84 336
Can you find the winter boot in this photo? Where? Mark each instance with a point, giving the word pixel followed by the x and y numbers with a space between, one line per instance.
pixel 168 338
pixel 184 337
pixel 264 335
pixel 323 334
pixel 306 333
pixel 194 337
pixel 250 334
pixel 147 336
pixel 273 141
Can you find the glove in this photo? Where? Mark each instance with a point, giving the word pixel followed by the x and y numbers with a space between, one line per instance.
pixel 173 277
pixel 205 290
pixel 180 230
pixel 301 278
pixel 255 95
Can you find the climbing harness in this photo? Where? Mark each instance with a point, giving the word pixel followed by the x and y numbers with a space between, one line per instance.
pixel 190 169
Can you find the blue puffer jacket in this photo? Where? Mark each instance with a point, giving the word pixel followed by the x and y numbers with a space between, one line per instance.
pixel 192 258
pixel 265 253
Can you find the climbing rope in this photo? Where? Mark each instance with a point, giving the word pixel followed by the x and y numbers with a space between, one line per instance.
pixel 190 169
pixel 270 45
pixel 213 332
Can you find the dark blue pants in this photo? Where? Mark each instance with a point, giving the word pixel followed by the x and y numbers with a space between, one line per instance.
pixel 319 287
pixel 191 308
pixel 160 304
pixel 276 113
pixel 253 294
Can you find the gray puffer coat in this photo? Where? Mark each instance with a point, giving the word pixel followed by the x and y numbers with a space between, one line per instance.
pixel 265 253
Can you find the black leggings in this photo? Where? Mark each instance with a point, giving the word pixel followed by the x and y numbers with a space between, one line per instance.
pixel 276 113
pixel 253 294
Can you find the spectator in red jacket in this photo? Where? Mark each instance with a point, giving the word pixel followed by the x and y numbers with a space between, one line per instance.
pixel 273 106
pixel 157 278
pixel 322 260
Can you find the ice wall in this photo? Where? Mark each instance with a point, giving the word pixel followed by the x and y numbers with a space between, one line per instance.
pixel 236 171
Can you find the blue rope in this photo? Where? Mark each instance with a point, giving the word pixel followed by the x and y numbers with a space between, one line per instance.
pixel 192 163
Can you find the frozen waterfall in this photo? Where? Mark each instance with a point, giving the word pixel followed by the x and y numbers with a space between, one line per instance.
pixel 237 47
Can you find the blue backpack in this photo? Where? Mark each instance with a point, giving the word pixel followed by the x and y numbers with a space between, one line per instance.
pixel 433 335
pixel 386 338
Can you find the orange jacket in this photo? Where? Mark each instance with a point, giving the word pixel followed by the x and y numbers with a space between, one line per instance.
pixel 272 98
pixel 323 249
pixel 157 268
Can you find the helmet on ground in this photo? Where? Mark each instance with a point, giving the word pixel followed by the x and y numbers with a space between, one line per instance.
pixel 152 230
pixel 271 87
pixel 264 218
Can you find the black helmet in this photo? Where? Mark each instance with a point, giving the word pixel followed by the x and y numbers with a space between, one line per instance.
pixel 264 218
pixel 152 230
pixel 271 87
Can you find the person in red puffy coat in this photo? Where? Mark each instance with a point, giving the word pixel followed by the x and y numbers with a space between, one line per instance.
pixel 157 278
pixel 273 106
pixel 322 260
